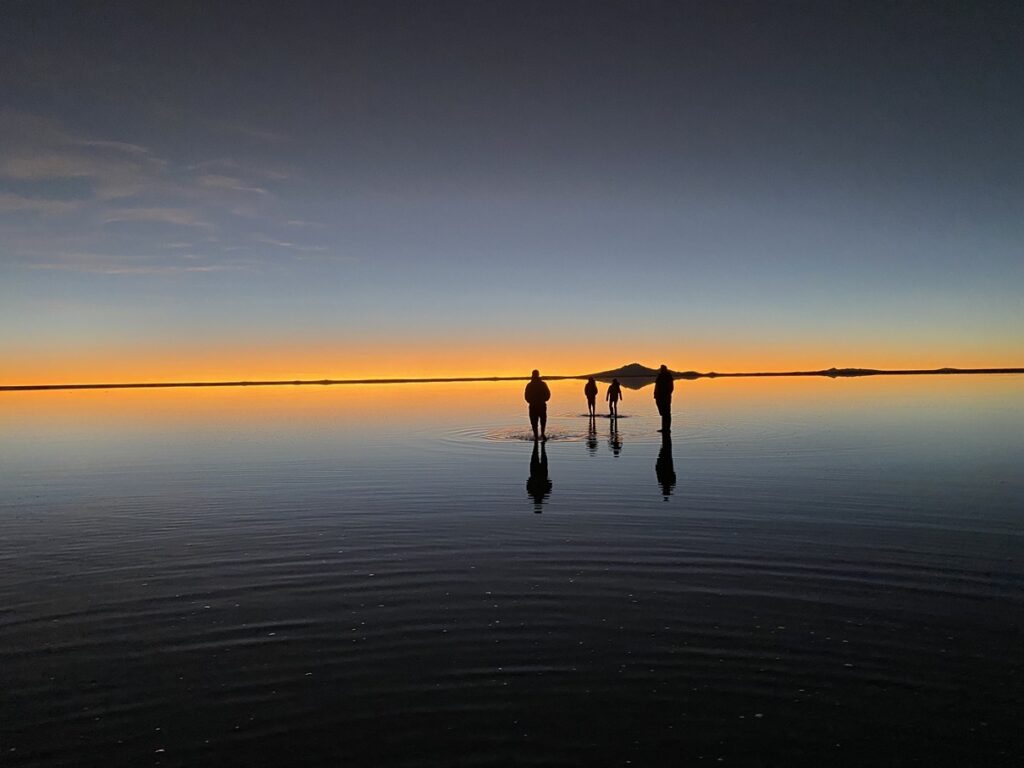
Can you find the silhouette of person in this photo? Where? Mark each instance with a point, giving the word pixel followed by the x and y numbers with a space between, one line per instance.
pixel 590 390
pixel 613 437
pixel 663 466
pixel 663 386
pixel 592 436
pixel 537 395
pixel 539 485
pixel 613 397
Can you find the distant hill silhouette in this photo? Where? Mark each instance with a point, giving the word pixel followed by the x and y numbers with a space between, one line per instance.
pixel 632 369
pixel 638 376
pixel 634 376
pixel 631 376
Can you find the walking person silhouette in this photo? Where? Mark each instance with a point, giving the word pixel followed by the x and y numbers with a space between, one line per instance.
pixel 590 390
pixel 613 397
pixel 537 395
pixel 663 386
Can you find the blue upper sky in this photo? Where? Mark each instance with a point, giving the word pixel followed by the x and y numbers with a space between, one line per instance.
pixel 736 173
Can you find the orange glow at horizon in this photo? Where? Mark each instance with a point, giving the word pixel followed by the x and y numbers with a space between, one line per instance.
pixel 326 360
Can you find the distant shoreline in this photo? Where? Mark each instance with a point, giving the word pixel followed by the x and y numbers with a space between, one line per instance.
pixel 829 373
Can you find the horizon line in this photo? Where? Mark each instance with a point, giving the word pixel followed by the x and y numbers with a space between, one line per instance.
pixel 826 372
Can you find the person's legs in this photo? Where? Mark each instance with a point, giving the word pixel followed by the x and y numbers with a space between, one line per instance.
pixel 543 422
pixel 665 409
pixel 533 421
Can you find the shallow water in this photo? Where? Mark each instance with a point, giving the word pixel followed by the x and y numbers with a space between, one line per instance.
pixel 810 572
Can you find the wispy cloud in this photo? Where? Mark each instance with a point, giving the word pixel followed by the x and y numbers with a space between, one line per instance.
pixel 104 264
pixel 118 269
pixel 178 216
pixel 19 204
pixel 37 149
pixel 230 183
pixel 285 244
pixel 60 189
pixel 249 131
pixel 120 146
pixel 236 128
pixel 269 172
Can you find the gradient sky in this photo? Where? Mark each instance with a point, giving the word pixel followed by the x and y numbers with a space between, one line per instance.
pixel 434 188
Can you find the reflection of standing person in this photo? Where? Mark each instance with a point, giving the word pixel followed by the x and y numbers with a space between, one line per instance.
pixel 663 466
pixel 613 397
pixel 537 395
pixel 613 437
pixel 590 390
pixel 539 485
pixel 663 386
pixel 592 435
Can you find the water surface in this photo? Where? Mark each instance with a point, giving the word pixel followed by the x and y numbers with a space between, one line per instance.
pixel 809 572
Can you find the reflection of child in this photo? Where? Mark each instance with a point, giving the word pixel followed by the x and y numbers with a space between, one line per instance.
pixel 613 397
pixel 590 390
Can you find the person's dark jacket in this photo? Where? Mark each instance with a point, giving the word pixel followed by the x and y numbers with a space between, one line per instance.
pixel 537 392
pixel 663 386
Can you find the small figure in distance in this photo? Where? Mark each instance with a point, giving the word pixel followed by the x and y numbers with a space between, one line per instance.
pixel 663 386
pixel 537 395
pixel 613 397
pixel 590 390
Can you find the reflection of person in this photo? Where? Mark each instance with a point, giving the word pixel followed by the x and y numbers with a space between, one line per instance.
pixel 613 437
pixel 663 386
pixel 613 397
pixel 592 436
pixel 663 466
pixel 537 395
pixel 539 486
pixel 590 390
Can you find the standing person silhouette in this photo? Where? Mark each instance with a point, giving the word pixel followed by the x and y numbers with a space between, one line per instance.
pixel 663 386
pixel 613 397
pixel 590 390
pixel 537 395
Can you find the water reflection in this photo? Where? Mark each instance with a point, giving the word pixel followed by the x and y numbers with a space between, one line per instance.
pixel 592 436
pixel 539 485
pixel 664 468
pixel 614 441
pixel 257 551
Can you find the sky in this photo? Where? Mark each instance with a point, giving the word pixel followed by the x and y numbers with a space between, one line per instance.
pixel 308 190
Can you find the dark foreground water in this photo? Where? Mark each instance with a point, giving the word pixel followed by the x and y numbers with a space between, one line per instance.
pixel 811 572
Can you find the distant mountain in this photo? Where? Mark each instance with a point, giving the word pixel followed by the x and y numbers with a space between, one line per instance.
pixel 638 376
pixel 633 369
